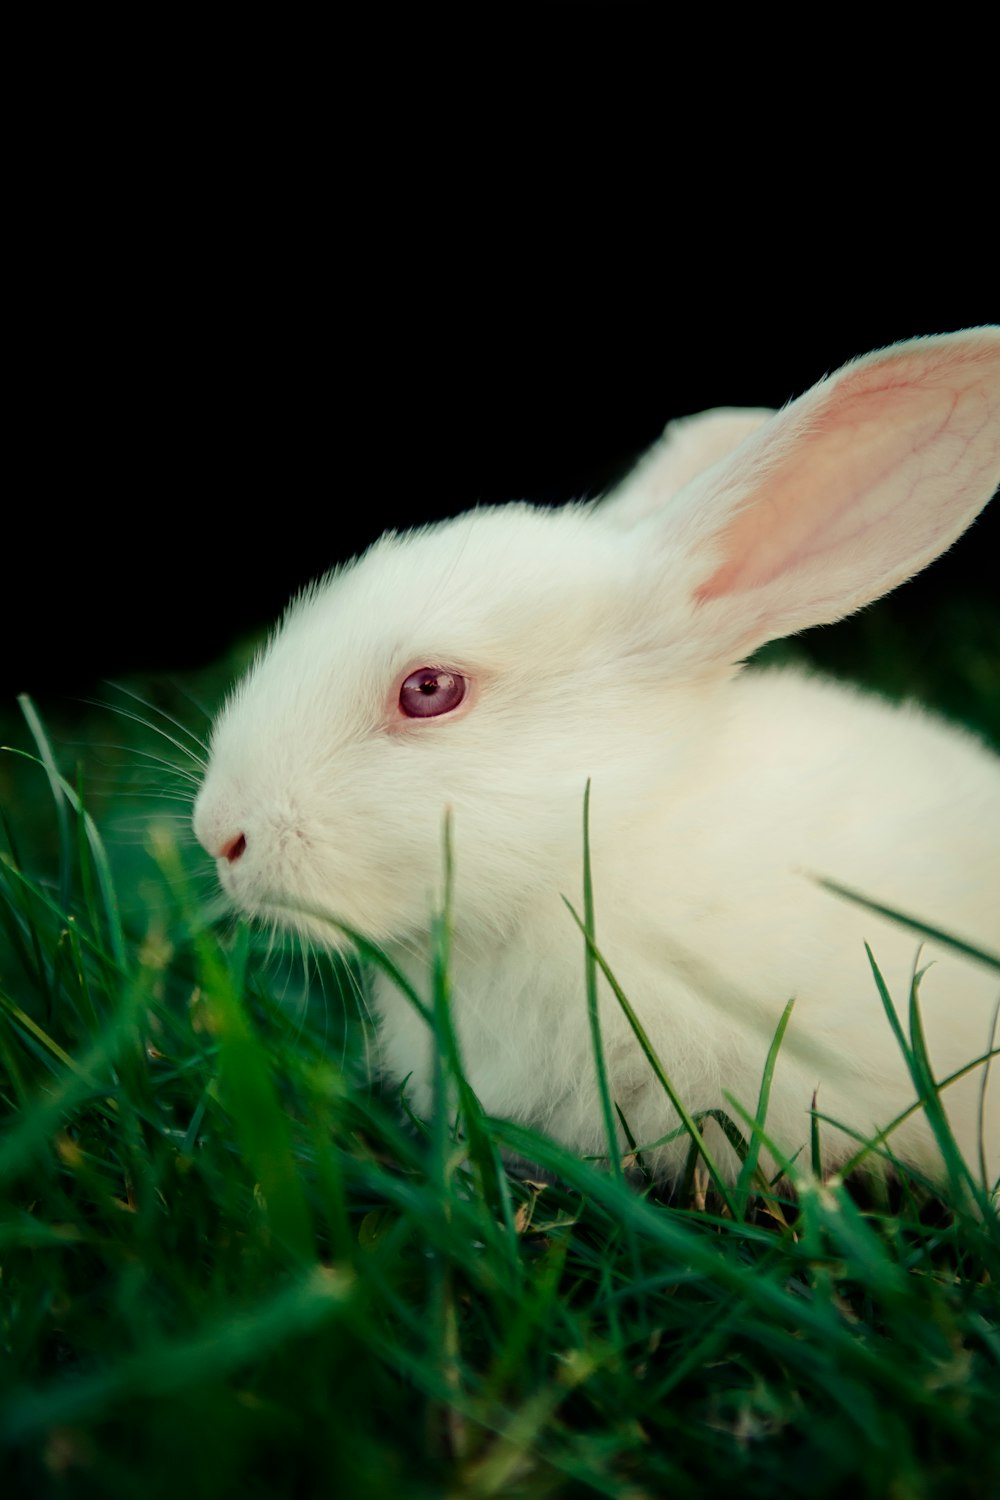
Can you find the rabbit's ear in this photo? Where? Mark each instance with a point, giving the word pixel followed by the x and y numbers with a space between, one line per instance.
pixel 844 494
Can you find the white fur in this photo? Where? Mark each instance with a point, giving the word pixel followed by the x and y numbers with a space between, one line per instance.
pixel 603 641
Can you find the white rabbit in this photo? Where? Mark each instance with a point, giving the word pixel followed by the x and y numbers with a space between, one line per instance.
pixel 493 663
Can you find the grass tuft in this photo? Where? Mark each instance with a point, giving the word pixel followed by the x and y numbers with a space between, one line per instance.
pixel 230 1262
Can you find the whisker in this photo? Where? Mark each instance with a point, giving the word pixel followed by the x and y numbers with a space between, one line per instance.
pixel 198 756
pixel 199 743
pixel 160 761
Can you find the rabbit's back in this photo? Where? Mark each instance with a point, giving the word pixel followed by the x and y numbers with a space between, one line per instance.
pixel 711 914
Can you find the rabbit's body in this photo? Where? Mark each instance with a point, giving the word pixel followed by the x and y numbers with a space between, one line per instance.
pixel 495 663
pixel 710 946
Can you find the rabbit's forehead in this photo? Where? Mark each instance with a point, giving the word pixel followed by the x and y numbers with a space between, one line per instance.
pixel 479 583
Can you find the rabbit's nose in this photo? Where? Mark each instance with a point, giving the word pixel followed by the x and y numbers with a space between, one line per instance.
pixel 233 848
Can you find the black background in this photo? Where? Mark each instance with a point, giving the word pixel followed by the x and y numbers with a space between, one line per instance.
pixel 258 318
pixel 178 495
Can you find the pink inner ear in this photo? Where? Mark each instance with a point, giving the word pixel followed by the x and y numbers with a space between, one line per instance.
pixel 871 469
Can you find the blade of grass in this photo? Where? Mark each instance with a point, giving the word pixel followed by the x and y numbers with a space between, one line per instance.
pixel 48 762
pixel 98 853
pixel 946 939
pixel 683 1113
pixel 600 1065
pixel 741 1190
pixel 983 1084
pixel 915 1055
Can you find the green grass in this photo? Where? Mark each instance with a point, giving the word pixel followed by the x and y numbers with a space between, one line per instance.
pixel 231 1264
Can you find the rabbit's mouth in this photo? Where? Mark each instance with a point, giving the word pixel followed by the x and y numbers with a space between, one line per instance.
pixel 290 881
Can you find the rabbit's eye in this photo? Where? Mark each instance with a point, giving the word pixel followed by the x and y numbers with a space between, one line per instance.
pixel 431 691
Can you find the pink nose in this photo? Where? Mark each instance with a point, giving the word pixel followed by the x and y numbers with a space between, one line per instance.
pixel 233 848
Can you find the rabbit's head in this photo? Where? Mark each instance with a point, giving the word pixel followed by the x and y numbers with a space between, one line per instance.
pixel 488 664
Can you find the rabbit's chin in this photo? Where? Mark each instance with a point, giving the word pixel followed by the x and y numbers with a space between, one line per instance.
pixel 313 928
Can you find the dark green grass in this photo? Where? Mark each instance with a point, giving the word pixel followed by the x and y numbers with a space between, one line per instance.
pixel 231 1264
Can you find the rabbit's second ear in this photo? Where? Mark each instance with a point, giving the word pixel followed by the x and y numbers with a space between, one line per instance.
pixel 843 495
pixel 688 447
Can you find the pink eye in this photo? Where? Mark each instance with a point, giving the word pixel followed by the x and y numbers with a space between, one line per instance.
pixel 430 691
